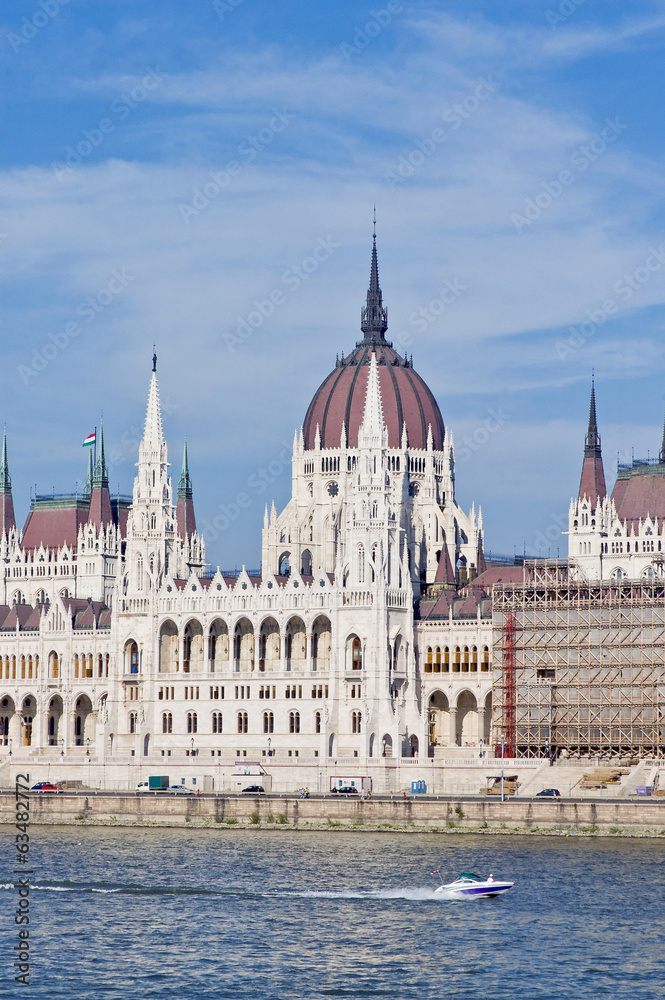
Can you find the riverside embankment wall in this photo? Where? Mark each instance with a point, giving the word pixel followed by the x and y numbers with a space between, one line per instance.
pixel 413 813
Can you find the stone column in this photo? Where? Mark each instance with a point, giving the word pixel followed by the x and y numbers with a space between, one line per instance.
pixel 452 715
pixel 481 723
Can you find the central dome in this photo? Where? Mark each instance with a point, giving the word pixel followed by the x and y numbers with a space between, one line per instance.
pixel 406 400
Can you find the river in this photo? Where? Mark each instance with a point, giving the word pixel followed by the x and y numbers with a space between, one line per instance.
pixel 254 914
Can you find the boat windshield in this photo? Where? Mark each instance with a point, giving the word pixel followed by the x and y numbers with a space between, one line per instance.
pixel 471 877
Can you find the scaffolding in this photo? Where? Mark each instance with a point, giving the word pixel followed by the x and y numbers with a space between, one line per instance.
pixel 588 674
pixel 508 690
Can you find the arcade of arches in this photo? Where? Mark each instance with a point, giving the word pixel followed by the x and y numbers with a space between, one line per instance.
pixel 242 648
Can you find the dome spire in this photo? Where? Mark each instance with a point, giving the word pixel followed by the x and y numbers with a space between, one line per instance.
pixel 374 315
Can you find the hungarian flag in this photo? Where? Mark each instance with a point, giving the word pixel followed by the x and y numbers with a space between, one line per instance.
pixel 89 440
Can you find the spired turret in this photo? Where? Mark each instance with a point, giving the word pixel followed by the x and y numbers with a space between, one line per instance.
pixel 592 480
pixel 100 502
pixel 7 518
pixel 185 516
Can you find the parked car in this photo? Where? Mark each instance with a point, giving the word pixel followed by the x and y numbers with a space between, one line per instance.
pixel 549 793
pixel 46 786
pixel 256 789
pixel 346 790
pixel 180 790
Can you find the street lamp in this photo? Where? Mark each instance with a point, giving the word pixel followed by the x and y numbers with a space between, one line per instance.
pixel 547 748
pixel 10 746
pixel 192 753
pixel 269 744
pixel 87 746
pixel 62 743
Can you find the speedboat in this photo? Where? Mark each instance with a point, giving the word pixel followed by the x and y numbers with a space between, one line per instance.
pixel 467 884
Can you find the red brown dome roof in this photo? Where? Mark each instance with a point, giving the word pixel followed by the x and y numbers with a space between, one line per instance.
pixel 405 398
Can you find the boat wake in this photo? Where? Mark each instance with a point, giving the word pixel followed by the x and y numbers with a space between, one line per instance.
pixel 414 893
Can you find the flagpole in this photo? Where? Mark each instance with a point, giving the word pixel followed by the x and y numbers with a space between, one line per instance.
pixel 94 461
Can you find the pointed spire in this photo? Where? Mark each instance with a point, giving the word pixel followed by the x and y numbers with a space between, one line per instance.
pixel 152 433
pixel 592 440
pixel 372 432
pixel 184 514
pixel 374 315
pixel 101 476
pixel 5 478
pixel 185 483
pixel 100 513
pixel 592 481
pixel 661 457
pixel 7 519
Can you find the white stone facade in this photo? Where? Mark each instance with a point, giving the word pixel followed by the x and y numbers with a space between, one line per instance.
pixel 126 648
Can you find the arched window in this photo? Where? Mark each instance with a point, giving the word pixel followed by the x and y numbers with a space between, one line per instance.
pixel 428 661
pixel 133 659
pixel 317 722
pixel 456 665
pixel 217 722
pixel 167 722
pixel 361 564
pixel 446 659
pixel 294 722
pixel 132 722
pixel 437 664
pixel 192 722
pixel 54 670
pixel 284 565
pixel 356 654
pixel 474 658
pixel 356 720
pixel 486 659
pixel 139 573
pixel 242 722
pixel 268 722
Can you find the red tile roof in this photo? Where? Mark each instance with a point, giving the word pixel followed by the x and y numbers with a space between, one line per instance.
pixel 642 494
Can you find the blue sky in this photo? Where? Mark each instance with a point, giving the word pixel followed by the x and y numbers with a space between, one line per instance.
pixel 514 149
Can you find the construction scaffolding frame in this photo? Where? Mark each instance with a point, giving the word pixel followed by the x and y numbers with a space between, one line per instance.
pixel 587 675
